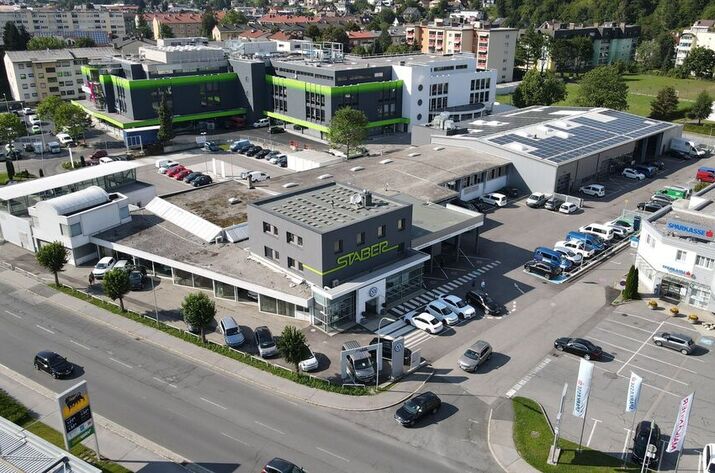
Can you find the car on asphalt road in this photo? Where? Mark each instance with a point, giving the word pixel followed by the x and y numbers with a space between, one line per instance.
pixel 262 153
pixel 263 122
pixel 253 151
pixel 136 280
pixel 65 139
pixel 646 435
pixel 483 301
pixel 258 176
pixel 568 208
pixel 424 321
pixel 536 200
pixel 442 312
pixel 631 173
pixel 475 356
pixel 569 254
pixel 494 198
pixel 651 206
pixel 278 465
pixel 459 307
pixel 102 266
pixel 418 407
pixel 54 364
pixel 510 192
pixel 594 190
pixel 264 342
pixel 542 269
pixel 387 349
pixel 553 203
pixel 34 120
pixel 620 223
pixel 359 363
pixel 211 147
pixel 231 331
pixel 174 171
pixel 101 153
pixel 708 458
pixel 579 346
pixel 27 111
pixel 179 176
pixel 308 362
pixel 239 145
pixel 676 341
pixel 276 129
pixel 679 154
pixel 190 177
pixel 202 180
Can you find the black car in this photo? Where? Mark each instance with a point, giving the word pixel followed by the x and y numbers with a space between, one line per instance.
pixel 417 407
pixel 136 280
pixel 279 465
pixel 651 206
pixel 510 192
pixel 553 204
pixel 201 181
pixel 246 149
pixel 472 205
pixel 640 442
pixel 542 269
pixel 387 350
pixel 54 364
pixel 276 129
pixel 262 153
pixel 211 147
pixel 578 346
pixel 482 300
pixel 192 176
pixel 254 151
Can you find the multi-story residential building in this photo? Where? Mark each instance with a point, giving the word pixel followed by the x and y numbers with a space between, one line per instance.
pixel 34 75
pixel 365 39
pixel 53 21
pixel 612 42
pixel 494 47
pixel 700 34
pixel 182 25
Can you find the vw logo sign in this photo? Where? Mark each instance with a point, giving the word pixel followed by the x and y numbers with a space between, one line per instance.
pixel 373 291
pixel 397 347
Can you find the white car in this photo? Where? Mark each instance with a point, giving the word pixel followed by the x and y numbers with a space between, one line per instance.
pixel 595 190
pixel 166 166
pixel 577 246
pixel 618 223
pixel 494 198
pixel 709 458
pixel 569 254
pixel 310 362
pixel 263 122
pixel 442 311
pixel 103 266
pixel 631 173
pixel 425 321
pixel 27 111
pixel 568 208
pixel 65 139
pixel 258 176
pixel 34 120
pixel 459 307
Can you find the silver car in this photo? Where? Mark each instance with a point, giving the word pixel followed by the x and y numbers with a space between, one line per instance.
pixel 676 341
pixel 475 356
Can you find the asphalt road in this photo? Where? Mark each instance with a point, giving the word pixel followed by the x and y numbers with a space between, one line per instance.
pixel 210 418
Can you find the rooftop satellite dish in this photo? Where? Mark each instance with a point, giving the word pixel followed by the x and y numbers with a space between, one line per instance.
pixel 356 199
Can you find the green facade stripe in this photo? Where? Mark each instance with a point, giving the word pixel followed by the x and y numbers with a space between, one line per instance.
pixel 341 266
pixel 87 69
pixel 296 121
pixel 333 90
pixel 390 121
pixel 167 82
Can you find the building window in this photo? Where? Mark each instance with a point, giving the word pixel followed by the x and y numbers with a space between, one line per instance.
pixel 401 224
pixel 650 241
pixel 71 230
pixel 381 231
pixel 269 228
pixel 360 238
pixel 338 246
pixel 293 264
pixel 270 253
pixel 680 255
pixel 704 262
pixel 294 239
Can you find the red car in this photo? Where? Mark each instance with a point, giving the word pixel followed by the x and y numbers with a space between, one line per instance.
pixel 182 174
pixel 175 170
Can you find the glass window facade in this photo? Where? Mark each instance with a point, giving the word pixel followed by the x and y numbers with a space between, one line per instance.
pixel 183 278
pixel 224 291
pixel 203 283
pixel 276 306
pixel 162 270
pixel 334 315
pixel 402 285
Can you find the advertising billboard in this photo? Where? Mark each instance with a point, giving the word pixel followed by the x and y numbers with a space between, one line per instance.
pixel 77 423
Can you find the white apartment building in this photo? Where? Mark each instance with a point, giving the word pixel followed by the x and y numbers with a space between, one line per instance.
pixel 699 34
pixel 56 21
pixel 34 75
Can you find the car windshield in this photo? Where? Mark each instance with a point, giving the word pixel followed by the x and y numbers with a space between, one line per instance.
pixel 445 310
pixel 231 331
pixel 411 407
pixel 471 354
pixel 101 266
pixel 534 197
pixel 56 360
pixel 460 303
pixel 362 364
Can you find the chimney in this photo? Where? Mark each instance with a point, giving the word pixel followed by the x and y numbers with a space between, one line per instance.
pixel 367 198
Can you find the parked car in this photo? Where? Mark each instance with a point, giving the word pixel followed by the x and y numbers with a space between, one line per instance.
pixel 552 257
pixel 262 153
pixel 622 224
pixel 679 154
pixel 278 465
pixel 424 321
pixel 136 280
pixel 276 129
pixel 239 145
pixel 65 139
pixel 387 348
pixel 542 269
pixel 359 363
pixel 593 241
pixel 676 341
pixel 211 147
pixel 645 431
pixel 649 170
pixel 459 307
pixel 281 160
pixel 264 342
pixel 191 176
pixel 418 407
pixel 575 258
pixel 179 176
pixel 475 356
pixel 537 199
pixel 510 192
pixel 598 229
pixel 577 246
pixel 168 166
pixel 579 346
pixel 201 181
pixel 27 111
pixel 651 206
pixel 54 364
pixel 231 331
pixel 36 129
pixel 594 190
pixel 631 173
pixel 709 458
pixel 253 151
pixel 246 149
pixel 308 360
pixel 34 120
pixel 553 203
pixel 472 205
pixel 263 122
pixel 494 198
pixel 100 153
pixel 442 312
pixel 103 266
pixel 666 199
pixel 484 302
pixel 172 172
pixel 258 176
pixel 568 208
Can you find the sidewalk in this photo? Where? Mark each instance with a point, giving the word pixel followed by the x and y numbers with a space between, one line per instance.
pixel 501 440
pixel 115 443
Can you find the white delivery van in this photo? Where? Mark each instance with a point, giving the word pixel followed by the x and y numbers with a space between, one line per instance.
pixel 54 147
pixel 686 146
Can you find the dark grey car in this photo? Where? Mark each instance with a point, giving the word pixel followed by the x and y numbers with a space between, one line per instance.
pixel 676 341
pixel 475 356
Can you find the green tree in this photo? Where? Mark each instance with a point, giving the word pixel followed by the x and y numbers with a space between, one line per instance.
pixel 603 87
pixel 47 106
pixel 702 108
pixel 84 43
pixel 9 169
pixel 347 128
pixel 399 49
pixel 143 28
pixel 165 31
pixel 72 119
pixel 562 54
pixel 166 130
pixel 630 290
pixel 292 346
pixel 312 32
pixel 701 62
pixel 336 34
pixel 384 40
pixel 529 47
pixel 232 17
pixel 665 103
pixel 14 38
pixel 582 49
pixel 10 127
pixel 539 88
pixel 53 257
pixel 198 311
pixel 359 51
pixel 208 21
pixel 38 43
pixel 116 285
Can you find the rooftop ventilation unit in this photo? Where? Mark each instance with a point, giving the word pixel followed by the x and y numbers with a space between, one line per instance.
pixel 386 161
pixel 357 168
pixel 438 148
pixel 413 155
pixel 288 185
pixel 325 176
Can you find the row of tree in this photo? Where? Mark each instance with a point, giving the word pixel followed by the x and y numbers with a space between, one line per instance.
pixel 18 39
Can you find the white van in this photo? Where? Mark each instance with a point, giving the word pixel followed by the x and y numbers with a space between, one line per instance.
pixel 494 198
pixel 596 190
pixel 258 176
pixel 600 230
pixel 262 122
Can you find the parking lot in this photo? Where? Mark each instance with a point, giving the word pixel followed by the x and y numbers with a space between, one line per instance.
pixel 625 335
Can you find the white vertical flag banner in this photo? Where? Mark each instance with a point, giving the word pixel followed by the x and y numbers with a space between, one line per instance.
pixel 681 425
pixel 583 388
pixel 634 392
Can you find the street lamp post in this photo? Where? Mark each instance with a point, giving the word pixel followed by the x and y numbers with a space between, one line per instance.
pixel 156 309
pixel 379 353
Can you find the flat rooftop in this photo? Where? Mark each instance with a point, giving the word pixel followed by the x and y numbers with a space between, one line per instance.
pixel 211 202
pixel 421 172
pixel 327 207
pixel 356 62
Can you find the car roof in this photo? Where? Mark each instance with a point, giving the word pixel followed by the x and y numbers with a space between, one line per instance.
pixel 479 345
pixel 105 259
pixel 46 354
pixel 280 464
pixel 425 395
pixel 438 303
pixel 426 316
pixel 451 298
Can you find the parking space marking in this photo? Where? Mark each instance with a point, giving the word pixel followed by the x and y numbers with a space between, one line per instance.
pixel 14 315
pixel 639 348
pixel 593 429
pixel 619 335
pixel 627 325
pixel 640 354
pixel 269 427
pixel 333 454
pixel 528 377
pixel 640 368
pixel 680 326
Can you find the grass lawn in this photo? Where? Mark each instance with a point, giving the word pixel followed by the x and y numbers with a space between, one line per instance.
pixel 3 178
pixel 533 439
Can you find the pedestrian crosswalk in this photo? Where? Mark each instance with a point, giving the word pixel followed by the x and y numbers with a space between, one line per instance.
pixel 412 336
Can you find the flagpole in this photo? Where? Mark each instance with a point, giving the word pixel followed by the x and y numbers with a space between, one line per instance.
pixel 680 452
pixel 583 425
pixel 633 425
pixel 647 446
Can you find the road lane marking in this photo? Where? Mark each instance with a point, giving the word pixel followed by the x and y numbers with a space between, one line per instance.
pixel 625 443
pixel 333 454
pixel 641 355
pixel 80 345
pixel 593 429
pixel 14 315
pixel 214 404
pixel 269 427
pixel 121 363
pixel 159 380
pixel 234 439
pixel 45 329
pixel 528 377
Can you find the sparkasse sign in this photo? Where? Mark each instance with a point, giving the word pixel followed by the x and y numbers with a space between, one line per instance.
pixel 690 229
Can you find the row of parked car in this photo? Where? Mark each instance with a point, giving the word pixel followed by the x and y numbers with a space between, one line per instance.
pixel 550 202
pixel 246 148
pixel 663 198
pixel 179 172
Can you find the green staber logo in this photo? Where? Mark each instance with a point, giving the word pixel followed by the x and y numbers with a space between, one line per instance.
pixel 364 254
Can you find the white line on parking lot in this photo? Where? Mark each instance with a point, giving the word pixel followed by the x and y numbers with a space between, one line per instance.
pixel 641 355
pixel 214 403
pixel 45 329
pixel 121 363
pixel 593 429
pixel 627 325
pixel 640 368
pixel 619 335
pixel 528 376
pixel 14 315
pixel 639 348
pixel 80 345
pixel 625 443
pixel 333 454
pixel 269 427
pixel 680 326
pixel 234 439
